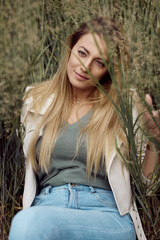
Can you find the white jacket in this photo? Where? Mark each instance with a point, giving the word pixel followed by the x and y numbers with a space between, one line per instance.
pixel 119 181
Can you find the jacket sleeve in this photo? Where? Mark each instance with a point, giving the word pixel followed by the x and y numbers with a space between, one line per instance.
pixel 141 141
pixel 30 183
pixel 26 105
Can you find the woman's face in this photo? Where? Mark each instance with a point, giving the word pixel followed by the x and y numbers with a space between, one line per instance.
pixel 86 51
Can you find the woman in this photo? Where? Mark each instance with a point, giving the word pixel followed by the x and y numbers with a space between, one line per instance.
pixel 76 186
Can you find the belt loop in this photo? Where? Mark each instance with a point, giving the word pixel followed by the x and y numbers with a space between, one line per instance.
pixel 92 189
pixel 69 187
pixel 47 190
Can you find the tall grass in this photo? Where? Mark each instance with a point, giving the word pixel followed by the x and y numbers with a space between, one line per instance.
pixel 32 36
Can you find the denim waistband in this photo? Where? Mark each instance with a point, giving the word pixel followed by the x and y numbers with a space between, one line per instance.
pixel 68 186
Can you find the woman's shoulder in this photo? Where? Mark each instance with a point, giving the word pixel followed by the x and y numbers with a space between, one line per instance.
pixel 28 98
pixel 38 89
pixel 35 101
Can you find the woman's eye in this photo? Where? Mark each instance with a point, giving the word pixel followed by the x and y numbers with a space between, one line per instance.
pixel 101 64
pixel 81 53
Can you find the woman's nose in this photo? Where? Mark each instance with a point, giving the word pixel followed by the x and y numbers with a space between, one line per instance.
pixel 86 66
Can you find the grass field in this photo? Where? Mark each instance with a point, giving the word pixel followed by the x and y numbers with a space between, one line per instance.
pixel 32 34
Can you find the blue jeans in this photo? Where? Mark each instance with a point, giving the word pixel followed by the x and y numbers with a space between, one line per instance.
pixel 72 212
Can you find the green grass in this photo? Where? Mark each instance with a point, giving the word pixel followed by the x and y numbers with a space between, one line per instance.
pixel 32 33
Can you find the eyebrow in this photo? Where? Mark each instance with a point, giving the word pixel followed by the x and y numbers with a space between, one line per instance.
pixel 84 49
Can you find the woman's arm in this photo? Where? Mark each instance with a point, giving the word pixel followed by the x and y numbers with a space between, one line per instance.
pixel 152 155
pixel 151 160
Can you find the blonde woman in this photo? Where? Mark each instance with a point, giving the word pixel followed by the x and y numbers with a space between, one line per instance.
pixel 75 187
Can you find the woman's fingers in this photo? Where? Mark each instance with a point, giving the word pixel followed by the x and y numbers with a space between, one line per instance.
pixel 148 100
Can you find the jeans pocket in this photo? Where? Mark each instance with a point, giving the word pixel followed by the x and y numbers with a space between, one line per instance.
pixel 37 200
pixel 51 197
pixel 105 197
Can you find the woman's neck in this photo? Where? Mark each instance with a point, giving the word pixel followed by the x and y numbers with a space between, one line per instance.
pixel 80 95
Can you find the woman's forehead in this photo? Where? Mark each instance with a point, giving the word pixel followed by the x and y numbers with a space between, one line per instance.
pixel 93 43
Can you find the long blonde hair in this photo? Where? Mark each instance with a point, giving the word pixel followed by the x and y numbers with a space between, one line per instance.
pixel 104 125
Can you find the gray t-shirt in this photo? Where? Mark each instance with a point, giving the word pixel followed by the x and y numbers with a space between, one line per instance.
pixel 65 167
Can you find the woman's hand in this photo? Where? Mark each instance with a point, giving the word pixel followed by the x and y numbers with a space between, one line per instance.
pixel 153 129
pixel 151 160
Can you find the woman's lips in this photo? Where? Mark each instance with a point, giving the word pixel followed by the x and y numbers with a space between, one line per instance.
pixel 80 77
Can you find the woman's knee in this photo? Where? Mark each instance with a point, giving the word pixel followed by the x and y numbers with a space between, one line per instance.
pixel 23 224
